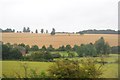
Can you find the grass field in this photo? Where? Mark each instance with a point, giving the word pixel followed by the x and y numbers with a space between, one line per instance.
pixel 58 39
pixel 10 67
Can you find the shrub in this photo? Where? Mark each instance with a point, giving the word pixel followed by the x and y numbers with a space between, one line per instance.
pixel 56 55
pixel 72 69
pixel 39 56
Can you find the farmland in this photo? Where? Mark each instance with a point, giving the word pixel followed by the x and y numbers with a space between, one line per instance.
pixel 41 59
pixel 9 68
pixel 58 39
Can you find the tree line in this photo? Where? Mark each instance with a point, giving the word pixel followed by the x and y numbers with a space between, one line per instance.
pixel 27 30
pixel 90 31
pixel 94 31
pixel 18 51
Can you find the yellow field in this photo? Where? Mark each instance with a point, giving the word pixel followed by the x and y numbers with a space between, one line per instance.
pixel 58 39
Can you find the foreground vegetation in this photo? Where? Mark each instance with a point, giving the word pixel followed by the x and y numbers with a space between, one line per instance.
pixel 15 68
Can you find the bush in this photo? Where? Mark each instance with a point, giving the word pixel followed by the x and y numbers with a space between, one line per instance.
pixel 71 54
pixel 39 56
pixel 72 69
pixel 56 55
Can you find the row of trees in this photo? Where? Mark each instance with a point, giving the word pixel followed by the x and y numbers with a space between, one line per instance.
pixel 27 30
pixel 94 31
pixel 100 47
pixel 19 51
pixel 41 31
pixel 8 30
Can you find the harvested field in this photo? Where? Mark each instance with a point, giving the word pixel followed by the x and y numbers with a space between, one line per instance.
pixel 58 39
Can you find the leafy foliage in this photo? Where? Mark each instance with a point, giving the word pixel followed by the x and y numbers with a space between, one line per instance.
pixel 87 50
pixel 72 69
pixel 68 48
pixel 102 47
pixel 115 49
pixel 39 56
pixel 50 48
pixel 61 48
pixel 34 48
pixel 9 52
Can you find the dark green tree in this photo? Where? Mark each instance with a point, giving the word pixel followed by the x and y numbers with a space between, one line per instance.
pixel 68 48
pixel 47 55
pixel 53 31
pixel 50 48
pixel 24 29
pixel 28 29
pixel 75 48
pixel 10 52
pixel 36 31
pixel 5 51
pixel 27 47
pixel 34 48
pixel 46 31
pixel 61 48
pixel 107 49
pixel 42 31
pixel 15 54
pixel 43 48
pixel 102 47
pixel 86 50
pixel 13 30
pixel 22 44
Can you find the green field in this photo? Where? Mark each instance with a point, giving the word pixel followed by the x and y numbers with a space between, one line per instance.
pixel 10 68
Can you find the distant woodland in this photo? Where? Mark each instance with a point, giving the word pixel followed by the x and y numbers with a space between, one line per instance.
pixel 90 31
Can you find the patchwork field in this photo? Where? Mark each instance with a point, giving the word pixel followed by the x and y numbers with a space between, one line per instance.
pixel 58 39
pixel 10 68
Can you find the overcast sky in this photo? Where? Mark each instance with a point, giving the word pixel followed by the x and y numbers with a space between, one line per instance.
pixel 63 15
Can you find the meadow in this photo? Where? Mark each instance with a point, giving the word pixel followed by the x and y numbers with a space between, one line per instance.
pixel 58 39
pixel 10 68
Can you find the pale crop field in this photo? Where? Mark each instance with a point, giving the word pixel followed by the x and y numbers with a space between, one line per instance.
pixel 58 39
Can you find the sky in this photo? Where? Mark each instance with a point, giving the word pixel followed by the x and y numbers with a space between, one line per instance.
pixel 63 15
